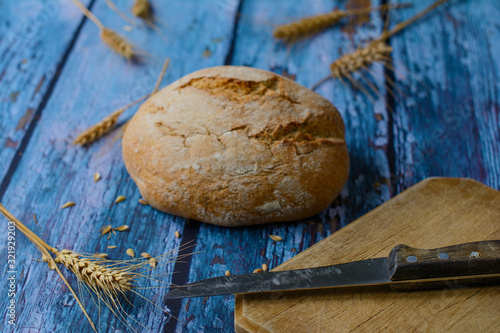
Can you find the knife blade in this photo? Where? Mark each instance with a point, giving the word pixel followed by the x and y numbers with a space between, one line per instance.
pixel 404 268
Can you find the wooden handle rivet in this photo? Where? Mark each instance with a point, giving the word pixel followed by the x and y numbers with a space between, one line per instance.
pixel 411 259
pixel 443 255
pixel 474 254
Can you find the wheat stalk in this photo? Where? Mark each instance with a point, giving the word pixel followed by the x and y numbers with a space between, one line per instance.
pixel 96 131
pixel 111 38
pixel 105 279
pixel 120 13
pixel 312 25
pixel 44 248
pixel 375 51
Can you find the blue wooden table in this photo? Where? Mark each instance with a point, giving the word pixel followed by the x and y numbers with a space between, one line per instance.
pixel 57 78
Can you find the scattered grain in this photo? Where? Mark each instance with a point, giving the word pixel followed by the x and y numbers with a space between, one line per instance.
pixel 177 234
pixel 258 270
pixel 111 246
pixel 275 238
pixel 142 202
pixel 106 230
pixel 264 267
pixel 120 199
pixel 68 204
pixel 34 218
pixel 146 255
pixel 122 228
pixel 97 176
pixel 227 273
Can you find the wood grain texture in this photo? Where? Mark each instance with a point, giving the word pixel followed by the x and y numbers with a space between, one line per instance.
pixel 94 82
pixel 35 38
pixel 446 122
pixel 435 213
pixel 241 250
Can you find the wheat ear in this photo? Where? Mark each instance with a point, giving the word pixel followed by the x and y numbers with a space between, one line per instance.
pixel 351 62
pixel 142 9
pixel 95 132
pixel 312 25
pixel 111 38
pixel 44 248
pixel 376 51
pixel 308 26
pixel 106 279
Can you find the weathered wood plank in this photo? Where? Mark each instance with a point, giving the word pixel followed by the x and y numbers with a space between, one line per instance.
pixel 447 123
pixel 452 131
pixel 35 37
pixel 93 83
pixel 241 250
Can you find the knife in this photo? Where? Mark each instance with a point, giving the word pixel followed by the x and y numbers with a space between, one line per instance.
pixel 405 268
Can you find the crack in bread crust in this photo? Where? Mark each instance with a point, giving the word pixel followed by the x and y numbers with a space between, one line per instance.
pixel 240 90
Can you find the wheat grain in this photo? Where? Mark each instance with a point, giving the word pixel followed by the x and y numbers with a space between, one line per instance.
pixel 68 204
pixel 227 273
pixel 145 255
pixel 258 270
pixel 131 253
pixel 120 199
pixel 97 176
pixel 177 234
pixel 122 228
pixel 143 202
pixel 152 262
pixel 275 238
pixel 142 9
pixel 351 62
pixel 264 267
pixel 308 26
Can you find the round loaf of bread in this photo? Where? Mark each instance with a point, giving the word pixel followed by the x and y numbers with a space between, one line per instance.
pixel 237 146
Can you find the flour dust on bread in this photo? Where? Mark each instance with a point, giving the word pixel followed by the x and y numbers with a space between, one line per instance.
pixel 237 146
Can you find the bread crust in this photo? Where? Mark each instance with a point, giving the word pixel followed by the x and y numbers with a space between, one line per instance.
pixel 236 146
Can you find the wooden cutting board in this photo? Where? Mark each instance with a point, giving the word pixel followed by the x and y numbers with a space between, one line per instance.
pixel 434 213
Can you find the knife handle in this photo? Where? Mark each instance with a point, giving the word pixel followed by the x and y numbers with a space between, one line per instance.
pixel 477 258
